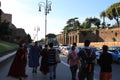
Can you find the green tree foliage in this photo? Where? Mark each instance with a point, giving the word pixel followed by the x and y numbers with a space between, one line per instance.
pixel 51 35
pixel 4 29
pixel 96 22
pixel 29 40
pixel 42 41
pixel 72 24
pixel 86 25
pixel 89 21
pixel 113 12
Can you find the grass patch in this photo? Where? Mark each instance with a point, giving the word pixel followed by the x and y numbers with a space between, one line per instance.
pixel 6 47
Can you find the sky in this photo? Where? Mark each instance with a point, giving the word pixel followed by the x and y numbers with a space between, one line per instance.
pixel 26 14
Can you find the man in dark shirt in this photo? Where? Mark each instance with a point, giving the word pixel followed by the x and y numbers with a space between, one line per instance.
pixel 87 57
pixel 105 62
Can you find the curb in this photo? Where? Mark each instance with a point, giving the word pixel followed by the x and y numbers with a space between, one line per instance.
pixel 7 56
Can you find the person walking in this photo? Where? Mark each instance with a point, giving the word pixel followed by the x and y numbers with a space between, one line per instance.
pixel 76 48
pixel 52 61
pixel 25 55
pixel 105 62
pixel 44 61
pixel 87 58
pixel 34 55
pixel 73 61
pixel 17 68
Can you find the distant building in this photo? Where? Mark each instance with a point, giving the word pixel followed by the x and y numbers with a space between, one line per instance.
pixel 16 32
pixel 101 35
pixel 5 17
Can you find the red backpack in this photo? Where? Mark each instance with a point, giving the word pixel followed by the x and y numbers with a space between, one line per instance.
pixel 88 62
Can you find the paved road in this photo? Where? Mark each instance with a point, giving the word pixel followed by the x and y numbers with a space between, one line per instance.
pixel 63 72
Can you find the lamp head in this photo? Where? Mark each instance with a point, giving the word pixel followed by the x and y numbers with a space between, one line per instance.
pixel 40 8
pixel 50 8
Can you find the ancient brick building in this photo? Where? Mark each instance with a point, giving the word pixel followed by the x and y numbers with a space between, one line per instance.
pixel 101 35
pixel 5 17
pixel 16 32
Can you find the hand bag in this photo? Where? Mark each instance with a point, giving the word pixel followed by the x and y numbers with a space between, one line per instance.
pixel 58 60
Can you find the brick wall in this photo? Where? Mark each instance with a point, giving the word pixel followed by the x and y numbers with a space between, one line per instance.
pixel 6 17
pixel 100 44
pixel 101 35
pixel 110 35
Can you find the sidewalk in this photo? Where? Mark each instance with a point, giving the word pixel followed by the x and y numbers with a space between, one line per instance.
pixel 63 72
pixel 7 56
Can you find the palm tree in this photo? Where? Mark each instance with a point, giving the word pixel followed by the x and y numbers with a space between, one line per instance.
pixel 103 15
pixel 113 12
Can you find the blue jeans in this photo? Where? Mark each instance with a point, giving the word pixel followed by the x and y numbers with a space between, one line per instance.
pixel 52 70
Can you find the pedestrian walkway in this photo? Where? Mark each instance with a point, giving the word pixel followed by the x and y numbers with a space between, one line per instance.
pixel 63 71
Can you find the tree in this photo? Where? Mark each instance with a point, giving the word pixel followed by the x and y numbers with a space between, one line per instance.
pixel 89 21
pixel 29 40
pixel 72 24
pixel 0 15
pixel 103 15
pixel 52 38
pixel 42 41
pixel 4 29
pixel 113 12
pixel 51 35
pixel 86 24
pixel 96 22
pixel 77 25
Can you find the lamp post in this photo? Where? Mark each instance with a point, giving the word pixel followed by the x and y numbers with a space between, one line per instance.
pixel 37 29
pixel 47 8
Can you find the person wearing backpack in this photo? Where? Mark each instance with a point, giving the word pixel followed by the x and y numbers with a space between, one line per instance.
pixel 73 61
pixel 87 58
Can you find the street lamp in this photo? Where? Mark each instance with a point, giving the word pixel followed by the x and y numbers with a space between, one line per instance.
pixel 47 8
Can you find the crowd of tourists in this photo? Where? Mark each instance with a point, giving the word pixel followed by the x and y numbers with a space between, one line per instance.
pixel 83 60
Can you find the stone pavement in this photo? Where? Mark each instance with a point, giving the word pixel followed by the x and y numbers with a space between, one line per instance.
pixel 63 72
